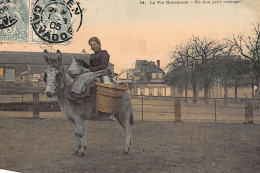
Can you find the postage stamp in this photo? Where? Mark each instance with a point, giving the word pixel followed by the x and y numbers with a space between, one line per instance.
pixel 14 20
pixel 54 21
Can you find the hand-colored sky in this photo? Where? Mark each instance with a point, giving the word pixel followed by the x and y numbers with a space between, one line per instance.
pixel 130 31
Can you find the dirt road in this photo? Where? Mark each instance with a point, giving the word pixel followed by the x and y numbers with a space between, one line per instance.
pixel 46 145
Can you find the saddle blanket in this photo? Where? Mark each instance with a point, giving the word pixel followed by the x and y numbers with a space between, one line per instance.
pixel 84 81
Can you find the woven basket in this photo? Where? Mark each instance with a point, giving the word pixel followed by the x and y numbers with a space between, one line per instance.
pixel 107 96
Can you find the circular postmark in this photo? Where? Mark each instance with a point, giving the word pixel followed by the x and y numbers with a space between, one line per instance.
pixel 54 21
pixel 9 14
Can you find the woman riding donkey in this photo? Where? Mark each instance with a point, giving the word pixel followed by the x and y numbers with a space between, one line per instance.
pixel 59 83
pixel 85 82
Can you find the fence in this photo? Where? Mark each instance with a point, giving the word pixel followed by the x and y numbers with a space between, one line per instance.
pixel 148 108
pixel 210 110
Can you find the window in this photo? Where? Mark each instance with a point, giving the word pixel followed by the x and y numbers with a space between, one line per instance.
pixel 163 91
pixel 129 76
pixel 160 92
pixel 1 72
pixel 168 91
pixel 9 74
pixel 160 75
pixel 153 75
pixel 155 92
pixel 142 91
pixel 146 91
pixel 150 91
pixel 36 78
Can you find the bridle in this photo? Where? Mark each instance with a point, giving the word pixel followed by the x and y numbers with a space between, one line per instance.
pixel 62 80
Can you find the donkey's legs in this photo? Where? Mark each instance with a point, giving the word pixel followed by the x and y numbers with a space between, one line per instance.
pixel 74 127
pixel 128 134
pixel 125 123
pixel 80 125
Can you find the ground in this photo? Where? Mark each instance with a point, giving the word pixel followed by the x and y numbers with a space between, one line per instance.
pixel 46 145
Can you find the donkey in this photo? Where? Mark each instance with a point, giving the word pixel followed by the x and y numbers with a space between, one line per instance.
pixel 58 84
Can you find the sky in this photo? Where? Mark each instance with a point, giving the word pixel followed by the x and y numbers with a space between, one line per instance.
pixel 131 31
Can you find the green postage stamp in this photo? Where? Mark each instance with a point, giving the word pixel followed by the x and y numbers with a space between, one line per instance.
pixel 14 20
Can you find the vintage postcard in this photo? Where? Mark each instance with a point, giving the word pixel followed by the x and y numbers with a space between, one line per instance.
pixel 129 86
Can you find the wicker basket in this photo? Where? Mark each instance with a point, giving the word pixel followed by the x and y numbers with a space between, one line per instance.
pixel 107 96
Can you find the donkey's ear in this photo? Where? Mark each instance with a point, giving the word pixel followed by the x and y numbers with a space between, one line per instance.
pixel 59 58
pixel 47 57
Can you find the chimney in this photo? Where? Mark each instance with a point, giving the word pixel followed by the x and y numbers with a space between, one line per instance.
pixel 158 63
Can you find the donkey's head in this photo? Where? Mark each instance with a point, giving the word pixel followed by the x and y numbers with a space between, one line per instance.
pixel 54 74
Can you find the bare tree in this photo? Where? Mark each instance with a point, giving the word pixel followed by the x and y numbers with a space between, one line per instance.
pixel 206 49
pixel 178 72
pixel 249 48
pixel 222 67
pixel 185 63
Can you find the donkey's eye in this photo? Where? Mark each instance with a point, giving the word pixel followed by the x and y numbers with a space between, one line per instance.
pixel 58 77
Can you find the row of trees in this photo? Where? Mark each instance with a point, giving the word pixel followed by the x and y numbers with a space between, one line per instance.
pixel 233 62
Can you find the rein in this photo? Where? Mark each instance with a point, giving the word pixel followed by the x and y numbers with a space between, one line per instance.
pixel 63 79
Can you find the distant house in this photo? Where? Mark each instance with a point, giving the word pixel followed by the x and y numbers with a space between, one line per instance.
pixel 24 71
pixel 147 78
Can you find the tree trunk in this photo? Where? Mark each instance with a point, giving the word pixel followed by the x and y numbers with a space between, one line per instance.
pixel 206 93
pixel 186 92
pixel 253 92
pixel 257 82
pixel 180 91
pixel 225 94
pixel 236 91
pixel 194 89
pixel 257 85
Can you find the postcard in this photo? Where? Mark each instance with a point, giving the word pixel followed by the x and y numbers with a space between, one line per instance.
pixel 173 85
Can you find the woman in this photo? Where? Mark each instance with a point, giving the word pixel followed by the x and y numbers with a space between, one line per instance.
pixel 99 61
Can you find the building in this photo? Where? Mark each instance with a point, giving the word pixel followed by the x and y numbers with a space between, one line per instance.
pixel 147 78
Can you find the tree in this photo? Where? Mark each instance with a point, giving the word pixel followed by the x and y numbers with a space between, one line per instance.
pixel 239 70
pixel 249 48
pixel 176 77
pixel 206 50
pixel 232 71
pixel 184 65
pixel 222 64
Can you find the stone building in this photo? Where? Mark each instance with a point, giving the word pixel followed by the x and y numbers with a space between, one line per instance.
pixel 147 78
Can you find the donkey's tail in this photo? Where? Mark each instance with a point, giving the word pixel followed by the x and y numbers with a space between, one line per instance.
pixel 131 118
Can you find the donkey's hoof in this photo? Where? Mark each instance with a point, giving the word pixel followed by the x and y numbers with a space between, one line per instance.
pixel 126 150
pixel 81 153
pixel 76 152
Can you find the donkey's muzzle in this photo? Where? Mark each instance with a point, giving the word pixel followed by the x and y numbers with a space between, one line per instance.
pixel 49 93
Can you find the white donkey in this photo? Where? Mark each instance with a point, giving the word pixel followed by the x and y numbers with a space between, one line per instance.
pixel 77 112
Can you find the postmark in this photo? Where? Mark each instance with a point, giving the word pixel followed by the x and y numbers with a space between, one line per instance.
pixel 55 21
pixel 14 20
